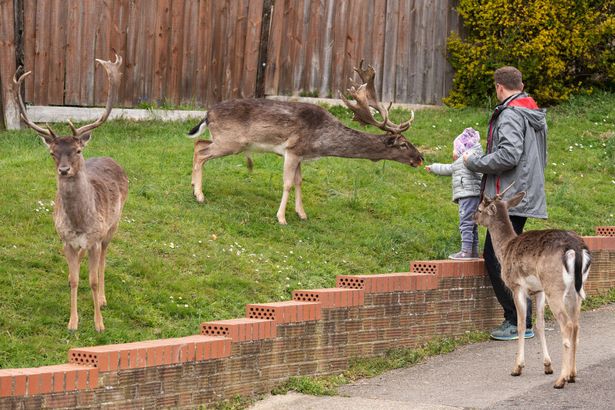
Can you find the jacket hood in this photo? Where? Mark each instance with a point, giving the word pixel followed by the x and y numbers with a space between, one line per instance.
pixel 527 107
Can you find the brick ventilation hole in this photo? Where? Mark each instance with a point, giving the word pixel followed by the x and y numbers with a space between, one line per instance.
pixel 215 330
pixel 421 267
pixel 261 313
pixel 351 283
pixel 307 297
pixel 87 359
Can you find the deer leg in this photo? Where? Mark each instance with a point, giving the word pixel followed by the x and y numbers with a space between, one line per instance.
pixel 575 339
pixel 94 254
pixel 566 329
pixel 540 329
pixel 521 306
pixel 198 160
pixel 298 198
pixel 73 258
pixel 102 300
pixel 291 161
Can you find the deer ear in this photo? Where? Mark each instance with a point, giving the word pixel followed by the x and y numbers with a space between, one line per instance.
pixel 491 209
pixel 47 140
pixel 515 200
pixel 390 141
pixel 85 138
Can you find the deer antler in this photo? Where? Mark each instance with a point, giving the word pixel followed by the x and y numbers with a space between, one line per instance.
pixel 22 107
pixel 365 97
pixel 114 75
pixel 501 194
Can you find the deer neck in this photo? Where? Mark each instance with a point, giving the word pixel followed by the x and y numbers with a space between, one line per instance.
pixel 76 200
pixel 502 233
pixel 349 143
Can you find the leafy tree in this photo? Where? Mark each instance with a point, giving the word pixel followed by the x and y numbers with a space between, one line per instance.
pixel 560 46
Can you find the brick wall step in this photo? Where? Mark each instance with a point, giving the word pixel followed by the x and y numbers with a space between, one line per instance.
pixel 331 297
pixel 47 379
pixel 600 243
pixel 388 282
pixel 285 312
pixel 449 267
pixel 151 352
pixel 240 329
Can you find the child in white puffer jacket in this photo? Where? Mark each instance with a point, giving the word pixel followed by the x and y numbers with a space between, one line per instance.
pixel 466 190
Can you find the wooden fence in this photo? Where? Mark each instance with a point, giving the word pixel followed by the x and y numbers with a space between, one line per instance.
pixel 202 51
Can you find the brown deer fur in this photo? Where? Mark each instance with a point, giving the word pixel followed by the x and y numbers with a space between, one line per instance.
pixel 89 200
pixel 297 131
pixel 549 263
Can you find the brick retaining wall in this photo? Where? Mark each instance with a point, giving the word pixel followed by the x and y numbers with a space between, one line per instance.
pixel 318 332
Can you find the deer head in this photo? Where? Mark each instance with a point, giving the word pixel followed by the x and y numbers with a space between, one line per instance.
pixel 491 209
pixel 365 98
pixel 66 150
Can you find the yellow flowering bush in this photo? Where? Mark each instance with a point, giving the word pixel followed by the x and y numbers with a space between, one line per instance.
pixel 560 46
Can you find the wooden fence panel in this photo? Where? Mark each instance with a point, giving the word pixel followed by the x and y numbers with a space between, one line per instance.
pixel 203 51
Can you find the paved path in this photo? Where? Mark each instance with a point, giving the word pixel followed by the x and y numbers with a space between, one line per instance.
pixel 477 376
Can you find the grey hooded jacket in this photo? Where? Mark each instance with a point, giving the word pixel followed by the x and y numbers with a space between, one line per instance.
pixel 518 153
pixel 465 182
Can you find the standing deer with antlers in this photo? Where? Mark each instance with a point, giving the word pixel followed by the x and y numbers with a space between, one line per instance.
pixel 300 131
pixel 551 263
pixel 89 200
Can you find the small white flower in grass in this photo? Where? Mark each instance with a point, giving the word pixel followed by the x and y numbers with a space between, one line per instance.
pixel 553 163
pixel 172 245
pixel 170 297
pixel 287 278
pixel 238 253
pixel 186 305
pixel 433 126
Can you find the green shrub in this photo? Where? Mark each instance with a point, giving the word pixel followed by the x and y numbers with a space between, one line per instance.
pixel 560 46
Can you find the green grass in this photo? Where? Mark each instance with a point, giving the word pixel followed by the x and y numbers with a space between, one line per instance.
pixel 175 263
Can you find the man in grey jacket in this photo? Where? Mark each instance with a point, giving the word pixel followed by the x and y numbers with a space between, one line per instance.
pixel 516 152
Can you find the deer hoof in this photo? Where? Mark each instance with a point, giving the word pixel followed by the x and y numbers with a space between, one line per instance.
pixel 100 328
pixel 199 197
pixel 516 371
pixel 559 384
pixel 548 369
pixel 572 379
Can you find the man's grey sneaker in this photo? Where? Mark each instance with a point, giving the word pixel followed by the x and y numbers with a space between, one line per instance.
pixel 462 255
pixel 508 331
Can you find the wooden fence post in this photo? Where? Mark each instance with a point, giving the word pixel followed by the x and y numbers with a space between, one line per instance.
pixel 8 35
pixel 263 48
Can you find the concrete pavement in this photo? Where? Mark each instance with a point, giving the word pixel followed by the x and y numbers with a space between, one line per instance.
pixel 478 376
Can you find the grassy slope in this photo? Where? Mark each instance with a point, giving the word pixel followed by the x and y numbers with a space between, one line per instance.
pixel 175 263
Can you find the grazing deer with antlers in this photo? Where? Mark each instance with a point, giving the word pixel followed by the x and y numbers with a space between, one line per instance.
pixel 551 263
pixel 300 131
pixel 89 200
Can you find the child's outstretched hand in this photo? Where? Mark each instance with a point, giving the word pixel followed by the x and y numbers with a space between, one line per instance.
pixel 427 168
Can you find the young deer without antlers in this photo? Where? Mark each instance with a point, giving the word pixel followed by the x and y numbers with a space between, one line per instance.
pixel 89 200
pixel 551 263
pixel 299 131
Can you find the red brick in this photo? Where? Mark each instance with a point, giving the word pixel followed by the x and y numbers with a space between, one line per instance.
pixel 238 329
pixel 6 383
pixel 70 377
pixel 605 230
pixel 282 312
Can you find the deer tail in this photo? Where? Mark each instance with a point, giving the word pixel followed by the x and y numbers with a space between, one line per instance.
pixel 199 128
pixel 576 269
